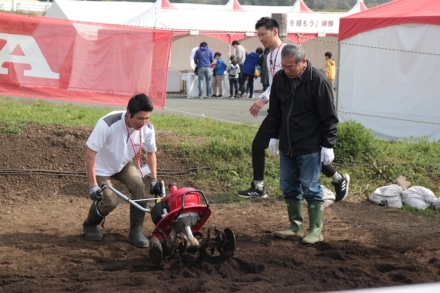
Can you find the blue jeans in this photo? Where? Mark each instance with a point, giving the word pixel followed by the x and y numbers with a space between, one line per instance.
pixel 299 177
pixel 204 73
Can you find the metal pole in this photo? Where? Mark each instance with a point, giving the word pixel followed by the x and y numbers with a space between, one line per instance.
pixel 282 20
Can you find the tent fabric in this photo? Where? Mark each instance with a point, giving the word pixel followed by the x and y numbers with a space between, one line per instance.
pixel 194 17
pixel 300 7
pixel 82 62
pixel 235 5
pixel 358 7
pixel 165 4
pixel 202 19
pixel 391 13
pixel 93 11
pixel 388 75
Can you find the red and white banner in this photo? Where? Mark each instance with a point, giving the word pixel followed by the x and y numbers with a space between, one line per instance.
pixel 82 62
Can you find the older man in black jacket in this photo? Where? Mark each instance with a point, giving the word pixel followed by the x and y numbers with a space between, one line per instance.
pixel 303 121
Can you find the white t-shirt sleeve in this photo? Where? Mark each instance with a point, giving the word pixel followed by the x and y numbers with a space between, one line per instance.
pixel 149 143
pixel 98 137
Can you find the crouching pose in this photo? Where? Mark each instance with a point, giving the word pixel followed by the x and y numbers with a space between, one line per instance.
pixel 303 121
pixel 114 151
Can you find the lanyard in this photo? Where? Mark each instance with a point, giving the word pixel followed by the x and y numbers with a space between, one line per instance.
pixel 137 155
pixel 273 61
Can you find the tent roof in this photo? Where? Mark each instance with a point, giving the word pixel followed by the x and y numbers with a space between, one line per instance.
pixel 115 12
pixel 301 7
pixel 235 5
pixel 391 13
pixel 164 4
pixel 195 18
pixel 358 7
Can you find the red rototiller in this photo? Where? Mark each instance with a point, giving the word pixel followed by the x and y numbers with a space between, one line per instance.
pixel 179 216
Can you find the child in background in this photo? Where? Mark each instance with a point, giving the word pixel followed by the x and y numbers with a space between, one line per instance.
pixel 233 71
pixel 218 71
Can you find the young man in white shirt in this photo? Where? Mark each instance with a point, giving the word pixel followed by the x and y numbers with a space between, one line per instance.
pixel 117 139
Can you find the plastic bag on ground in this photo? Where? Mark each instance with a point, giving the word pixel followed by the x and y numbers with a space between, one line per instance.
pixel 418 197
pixel 389 196
pixel 329 196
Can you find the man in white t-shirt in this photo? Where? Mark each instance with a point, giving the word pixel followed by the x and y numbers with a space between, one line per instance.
pixel 114 151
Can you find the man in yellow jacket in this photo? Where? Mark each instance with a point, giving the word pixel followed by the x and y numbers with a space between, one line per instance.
pixel 330 68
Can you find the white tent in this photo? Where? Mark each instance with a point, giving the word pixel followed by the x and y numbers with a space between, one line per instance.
pixel 115 12
pixel 218 25
pixel 359 6
pixel 389 69
pixel 163 15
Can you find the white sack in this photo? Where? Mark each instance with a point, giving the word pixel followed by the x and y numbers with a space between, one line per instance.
pixel 418 197
pixel 436 204
pixel 329 196
pixel 389 196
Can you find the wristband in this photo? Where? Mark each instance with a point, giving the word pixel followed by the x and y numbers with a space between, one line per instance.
pixel 264 99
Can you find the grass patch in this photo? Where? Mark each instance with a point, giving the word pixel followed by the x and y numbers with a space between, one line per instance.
pixel 16 113
pixel 219 153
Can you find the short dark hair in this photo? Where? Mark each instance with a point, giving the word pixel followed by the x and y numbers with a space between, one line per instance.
pixel 138 103
pixel 235 43
pixel 203 44
pixel 328 54
pixel 268 22
pixel 259 50
pixel 217 54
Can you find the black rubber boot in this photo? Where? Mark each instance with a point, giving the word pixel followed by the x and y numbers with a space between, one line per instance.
pixel 136 236
pixel 91 228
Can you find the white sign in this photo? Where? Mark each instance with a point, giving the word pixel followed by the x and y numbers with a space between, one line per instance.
pixel 24 50
pixel 313 23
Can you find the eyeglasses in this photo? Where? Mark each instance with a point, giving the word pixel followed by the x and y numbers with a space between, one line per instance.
pixel 289 67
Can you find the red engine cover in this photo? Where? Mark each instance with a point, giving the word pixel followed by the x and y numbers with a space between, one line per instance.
pixel 181 201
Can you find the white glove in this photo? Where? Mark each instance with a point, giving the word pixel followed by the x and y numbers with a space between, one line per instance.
pixel 327 156
pixel 273 146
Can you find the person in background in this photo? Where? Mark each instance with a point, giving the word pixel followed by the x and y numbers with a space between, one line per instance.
pixel 241 54
pixel 117 139
pixel 330 68
pixel 203 59
pixel 247 73
pixel 191 58
pixel 233 71
pixel 218 73
pixel 303 130
pixel 267 31
pixel 264 69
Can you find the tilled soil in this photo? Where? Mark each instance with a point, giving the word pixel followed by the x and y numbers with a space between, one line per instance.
pixel 44 202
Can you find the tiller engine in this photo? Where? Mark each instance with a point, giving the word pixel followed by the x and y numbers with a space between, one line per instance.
pixel 179 217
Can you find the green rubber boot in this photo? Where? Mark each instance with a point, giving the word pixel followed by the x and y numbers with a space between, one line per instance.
pixel 316 212
pixel 296 218
pixel 136 236
pixel 92 232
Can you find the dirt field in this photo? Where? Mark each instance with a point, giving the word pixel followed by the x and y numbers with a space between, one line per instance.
pixel 44 202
